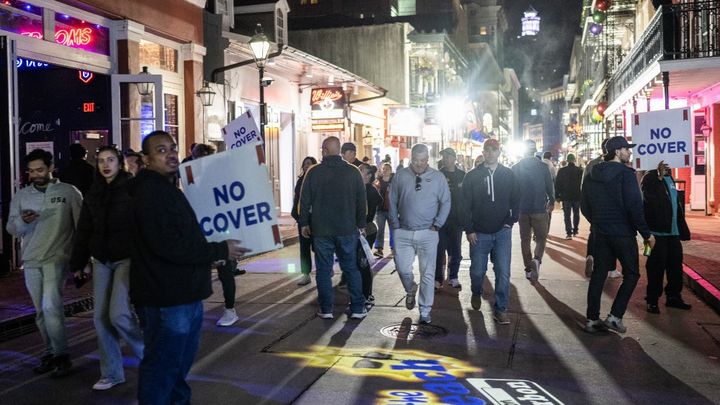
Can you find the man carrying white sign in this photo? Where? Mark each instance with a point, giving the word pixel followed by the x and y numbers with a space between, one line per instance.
pixel 662 136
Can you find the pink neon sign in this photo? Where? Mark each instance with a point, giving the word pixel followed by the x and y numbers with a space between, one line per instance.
pixel 69 37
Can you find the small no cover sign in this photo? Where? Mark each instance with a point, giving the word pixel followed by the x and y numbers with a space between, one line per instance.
pixel 662 136
pixel 504 392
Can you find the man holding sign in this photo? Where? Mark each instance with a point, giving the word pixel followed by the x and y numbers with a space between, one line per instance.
pixel 169 274
pixel 333 195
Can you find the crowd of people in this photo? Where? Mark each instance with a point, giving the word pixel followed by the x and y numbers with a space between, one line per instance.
pixel 134 230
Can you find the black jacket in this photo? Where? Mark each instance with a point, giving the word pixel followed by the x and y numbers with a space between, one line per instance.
pixel 612 203
pixel 296 198
pixel 454 179
pixel 103 230
pixel 567 183
pixel 79 173
pixel 490 202
pixel 658 207
pixel 171 258
pixel 374 202
pixel 333 194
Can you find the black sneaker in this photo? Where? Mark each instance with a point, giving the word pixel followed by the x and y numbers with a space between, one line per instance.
pixel 653 308
pixel 46 365
pixel 677 303
pixel 62 366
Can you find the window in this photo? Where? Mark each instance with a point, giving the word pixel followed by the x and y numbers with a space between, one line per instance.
pixel 483 30
pixel 171 114
pixel 159 56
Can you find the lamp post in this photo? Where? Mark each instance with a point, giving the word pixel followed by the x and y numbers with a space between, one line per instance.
pixel 260 47
pixel 144 88
pixel 706 130
pixel 207 96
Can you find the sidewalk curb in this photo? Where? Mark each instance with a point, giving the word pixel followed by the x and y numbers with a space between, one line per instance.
pixel 703 288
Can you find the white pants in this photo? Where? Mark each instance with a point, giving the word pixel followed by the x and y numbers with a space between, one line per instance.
pixel 422 243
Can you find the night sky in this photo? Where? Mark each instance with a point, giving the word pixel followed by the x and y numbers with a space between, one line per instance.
pixel 542 61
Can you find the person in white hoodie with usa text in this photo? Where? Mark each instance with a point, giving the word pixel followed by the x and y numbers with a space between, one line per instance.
pixel 44 216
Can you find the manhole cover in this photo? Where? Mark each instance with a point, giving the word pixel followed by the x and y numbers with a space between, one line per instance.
pixel 410 331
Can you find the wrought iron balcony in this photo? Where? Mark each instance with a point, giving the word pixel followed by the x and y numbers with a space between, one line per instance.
pixel 677 31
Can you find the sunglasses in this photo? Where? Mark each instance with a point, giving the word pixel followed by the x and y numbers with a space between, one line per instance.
pixel 418 183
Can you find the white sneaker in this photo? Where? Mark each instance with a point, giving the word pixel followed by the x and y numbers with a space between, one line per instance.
pixel 229 317
pixel 615 323
pixel 359 315
pixel 324 315
pixel 304 280
pixel 614 274
pixel 105 384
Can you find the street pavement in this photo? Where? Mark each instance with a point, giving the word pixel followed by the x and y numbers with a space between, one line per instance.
pixel 281 353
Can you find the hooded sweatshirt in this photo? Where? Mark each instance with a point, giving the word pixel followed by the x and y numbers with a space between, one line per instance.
pixel 612 202
pixel 491 197
pixel 48 239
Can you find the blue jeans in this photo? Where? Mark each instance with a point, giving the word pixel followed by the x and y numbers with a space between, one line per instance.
pixel 499 245
pixel 345 247
pixel 45 285
pixel 305 256
pixel 450 241
pixel 172 337
pixel 114 318
pixel 606 251
pixel 574 207
pixel 381 218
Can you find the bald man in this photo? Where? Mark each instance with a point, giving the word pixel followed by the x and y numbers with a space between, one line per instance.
pixel 332 210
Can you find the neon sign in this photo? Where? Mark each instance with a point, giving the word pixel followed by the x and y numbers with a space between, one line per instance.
pixel 88 107
pixel 69 37
pixel 29 63
pixel 85 76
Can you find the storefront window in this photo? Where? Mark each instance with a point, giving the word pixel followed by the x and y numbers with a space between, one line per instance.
pixel 171 114
pixel 76 33
pixel 21 18
pixel 159 56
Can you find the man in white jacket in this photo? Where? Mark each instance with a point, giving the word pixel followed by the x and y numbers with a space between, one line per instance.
pixel 44 215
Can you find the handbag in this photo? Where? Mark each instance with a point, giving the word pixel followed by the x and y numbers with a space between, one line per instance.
pixel 369 256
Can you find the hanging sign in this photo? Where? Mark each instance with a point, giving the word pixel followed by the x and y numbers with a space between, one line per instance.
pixel 327 103
pixel 242 132
pixel 662 135
pixel 233 199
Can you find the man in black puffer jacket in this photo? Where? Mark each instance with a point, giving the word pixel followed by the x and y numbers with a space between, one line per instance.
pixel 612 203
pixel 567 190
pixel 169 273
pixel 665 215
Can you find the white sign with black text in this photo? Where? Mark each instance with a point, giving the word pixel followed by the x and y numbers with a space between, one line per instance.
pixel 662 135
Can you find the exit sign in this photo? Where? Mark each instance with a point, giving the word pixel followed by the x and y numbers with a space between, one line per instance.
pixel 88 107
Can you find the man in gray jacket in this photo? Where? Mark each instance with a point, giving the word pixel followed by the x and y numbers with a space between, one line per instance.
pixel 44 215
pixel 419 206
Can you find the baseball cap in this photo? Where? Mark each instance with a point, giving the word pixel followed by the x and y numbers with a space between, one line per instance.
pixel 491 143
pixel 617 142
pixel 348 146
pixel 449 152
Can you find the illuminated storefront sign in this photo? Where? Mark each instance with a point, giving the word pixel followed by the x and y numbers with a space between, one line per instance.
pixel 425 378
pixel 85 76
pixel 29 63
pixel 68 37
pixel 88 107
pixel 327 103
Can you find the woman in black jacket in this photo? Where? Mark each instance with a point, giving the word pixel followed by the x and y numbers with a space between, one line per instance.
pixel 305 243
pixel 103 233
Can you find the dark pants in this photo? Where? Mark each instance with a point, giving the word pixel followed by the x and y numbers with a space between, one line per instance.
pixel 305 248
pixel 606 250
pixel 227 280
pixel 365 270
pixel 172 337
pixel 574 207
pixel 450 239
pixel 590 243
pixel 666 257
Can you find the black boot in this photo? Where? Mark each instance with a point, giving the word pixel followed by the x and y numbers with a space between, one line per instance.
pixel 46 365
pixel 62 366
pixel 677 303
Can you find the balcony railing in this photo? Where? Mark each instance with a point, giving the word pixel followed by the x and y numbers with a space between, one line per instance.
pixel 678 31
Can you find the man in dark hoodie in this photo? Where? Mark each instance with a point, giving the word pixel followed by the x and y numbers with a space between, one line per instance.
pixel 78 172
pixel 333 196
pixel 537 199
pixel 169 273
pixel 612 203
pixel 450 235
pixel 665 215
pixel 491 195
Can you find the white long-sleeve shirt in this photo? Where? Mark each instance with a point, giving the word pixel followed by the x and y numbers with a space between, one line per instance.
pixel 49 237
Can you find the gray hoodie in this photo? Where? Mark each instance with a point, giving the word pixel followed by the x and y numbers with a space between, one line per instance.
pixel 48 239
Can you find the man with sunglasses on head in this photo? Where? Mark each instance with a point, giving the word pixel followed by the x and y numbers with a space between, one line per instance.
pixel 419 207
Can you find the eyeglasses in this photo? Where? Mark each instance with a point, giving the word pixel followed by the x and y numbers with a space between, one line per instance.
pixel 418 183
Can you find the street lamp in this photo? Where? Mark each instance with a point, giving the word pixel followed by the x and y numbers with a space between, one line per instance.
pixel 706 131
pixel 260 47
pixel 207 96
pixel 144 88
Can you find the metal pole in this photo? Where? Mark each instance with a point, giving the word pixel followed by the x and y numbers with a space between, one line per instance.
pixel 263 118
pixel 666 88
